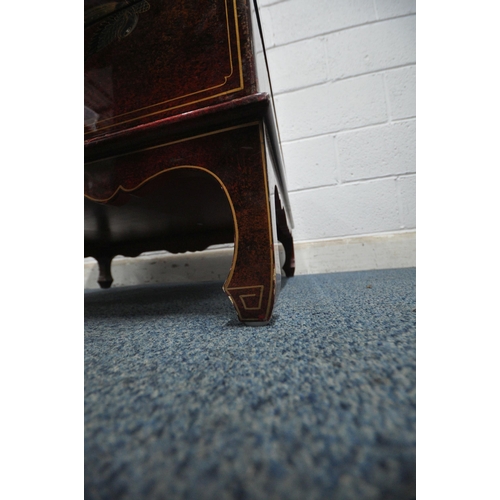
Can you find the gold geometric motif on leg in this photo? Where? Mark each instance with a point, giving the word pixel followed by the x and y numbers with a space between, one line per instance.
pixel 252 303
pixel 251 300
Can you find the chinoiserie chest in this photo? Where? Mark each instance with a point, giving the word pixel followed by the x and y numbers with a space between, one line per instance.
pixel 182 148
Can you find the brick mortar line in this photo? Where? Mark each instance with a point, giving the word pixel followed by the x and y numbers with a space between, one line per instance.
pixel 387 99
pixel 270 4
pixel 357 181
pixel 326 33
pixel 408 231
pixel 336 132
pixel 400 205
pixel 347 131
pixel 337 80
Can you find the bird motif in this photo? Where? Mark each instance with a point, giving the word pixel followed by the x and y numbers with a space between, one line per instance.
pixel 117 20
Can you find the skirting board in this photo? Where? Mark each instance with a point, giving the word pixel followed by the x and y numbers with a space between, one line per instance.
pixel 381 251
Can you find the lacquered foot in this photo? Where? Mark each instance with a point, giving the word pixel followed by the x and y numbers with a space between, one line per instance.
pixel 284 236
pixel 105 279
pixel 254 304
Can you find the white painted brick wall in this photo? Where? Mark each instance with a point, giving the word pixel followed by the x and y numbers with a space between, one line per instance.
pixel 401 92
pixel 352 209
pixel 379 151
pixel 372 47
pixel 294 20
pixel 318 153
pixel 343 74
pixel 332 107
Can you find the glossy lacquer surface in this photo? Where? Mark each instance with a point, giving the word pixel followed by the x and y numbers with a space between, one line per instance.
pixel 149 59
pixel 181 148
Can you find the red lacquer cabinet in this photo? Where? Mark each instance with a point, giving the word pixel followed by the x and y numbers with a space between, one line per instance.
pixel 182 149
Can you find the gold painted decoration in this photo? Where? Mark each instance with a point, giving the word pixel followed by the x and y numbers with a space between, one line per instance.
pixel 117 21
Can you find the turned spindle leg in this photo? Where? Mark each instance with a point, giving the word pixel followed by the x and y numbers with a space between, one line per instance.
pixel 105 279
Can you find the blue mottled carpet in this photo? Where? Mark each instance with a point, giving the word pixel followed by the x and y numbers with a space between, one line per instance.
pixel 183 402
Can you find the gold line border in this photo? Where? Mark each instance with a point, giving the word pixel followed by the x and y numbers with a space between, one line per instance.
pixel 241 86
pixel 192 93
pixel 269 220
pixel 220 131
pixel 271 298
pixel 236 230
pixel 248 295
pixel 219 180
